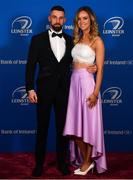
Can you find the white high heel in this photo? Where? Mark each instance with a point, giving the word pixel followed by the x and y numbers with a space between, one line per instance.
pixel 76 170
pixel 83 173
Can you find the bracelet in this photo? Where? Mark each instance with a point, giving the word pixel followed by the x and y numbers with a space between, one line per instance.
pixel 95 96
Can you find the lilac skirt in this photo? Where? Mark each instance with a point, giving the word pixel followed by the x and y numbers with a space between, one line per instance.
pixel 81 121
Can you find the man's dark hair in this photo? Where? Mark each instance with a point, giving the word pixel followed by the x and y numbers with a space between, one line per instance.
pixel 58 8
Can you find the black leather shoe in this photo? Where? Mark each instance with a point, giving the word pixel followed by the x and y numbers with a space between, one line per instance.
pixel 64 169
pixel 37 171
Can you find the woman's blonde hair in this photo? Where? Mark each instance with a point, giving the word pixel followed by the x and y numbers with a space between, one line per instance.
pixel 93 25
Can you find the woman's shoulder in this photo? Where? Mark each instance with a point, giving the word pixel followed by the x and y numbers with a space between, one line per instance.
pixel 95 41
pixel 98 41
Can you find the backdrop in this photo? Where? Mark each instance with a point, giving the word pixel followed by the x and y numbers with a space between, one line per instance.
pixel 19 21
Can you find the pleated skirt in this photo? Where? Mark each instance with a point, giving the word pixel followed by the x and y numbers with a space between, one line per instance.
pixel 85 122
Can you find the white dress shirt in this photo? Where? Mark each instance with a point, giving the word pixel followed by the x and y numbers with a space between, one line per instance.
pixel 58 45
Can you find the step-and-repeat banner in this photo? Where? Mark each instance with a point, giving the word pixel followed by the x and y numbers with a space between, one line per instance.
pixel 19 21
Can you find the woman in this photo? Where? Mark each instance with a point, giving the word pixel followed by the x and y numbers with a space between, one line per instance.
pixel 84 113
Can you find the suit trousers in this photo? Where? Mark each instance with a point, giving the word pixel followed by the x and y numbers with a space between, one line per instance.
pixel 44 107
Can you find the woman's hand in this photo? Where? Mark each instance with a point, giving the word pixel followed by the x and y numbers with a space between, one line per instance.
pixel 92 100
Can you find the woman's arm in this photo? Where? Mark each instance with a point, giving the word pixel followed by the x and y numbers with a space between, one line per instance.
pixel 99 45
pixel 99 48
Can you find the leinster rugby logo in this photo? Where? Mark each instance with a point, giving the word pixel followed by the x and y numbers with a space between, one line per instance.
pixel 19 96
pixel 21 25
pixel 112 96
pixel 114 26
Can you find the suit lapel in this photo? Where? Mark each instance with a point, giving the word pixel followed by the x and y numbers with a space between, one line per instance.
pixel 67 43
pixel 48 46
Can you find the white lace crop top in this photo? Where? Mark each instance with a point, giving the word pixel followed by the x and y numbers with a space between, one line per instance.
pixel 83 53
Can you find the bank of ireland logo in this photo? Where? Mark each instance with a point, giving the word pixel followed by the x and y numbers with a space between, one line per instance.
pixel 114 26
pixel 112 96
pixel 22 26
pixel 19 96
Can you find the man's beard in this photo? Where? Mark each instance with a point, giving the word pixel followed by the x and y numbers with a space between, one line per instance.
pixel 56 28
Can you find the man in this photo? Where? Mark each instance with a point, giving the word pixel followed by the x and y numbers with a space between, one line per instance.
pixel 52 51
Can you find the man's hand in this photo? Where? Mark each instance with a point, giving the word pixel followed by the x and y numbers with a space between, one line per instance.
pixel 92 68
pixel 32 96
